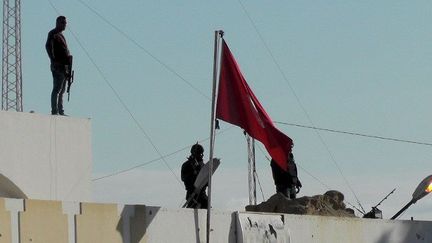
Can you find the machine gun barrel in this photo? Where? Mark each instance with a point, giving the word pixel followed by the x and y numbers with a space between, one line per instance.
pixel 70 76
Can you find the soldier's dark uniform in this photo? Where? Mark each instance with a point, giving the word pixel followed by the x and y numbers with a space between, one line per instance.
pixel 189 173
pixel 286 182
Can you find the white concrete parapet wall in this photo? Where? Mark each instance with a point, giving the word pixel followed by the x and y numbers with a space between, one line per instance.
pixel 55 221
pixel 46 157
pixel 285 228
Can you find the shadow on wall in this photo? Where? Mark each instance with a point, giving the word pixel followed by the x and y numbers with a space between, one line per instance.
pixel 232 236
pixel 9 189
pixel 135 221
pixel 409 232
pixel 138 217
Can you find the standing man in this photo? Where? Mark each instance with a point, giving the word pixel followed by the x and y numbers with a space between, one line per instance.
pixel 61 60
pixel 286 182
pixel 189 173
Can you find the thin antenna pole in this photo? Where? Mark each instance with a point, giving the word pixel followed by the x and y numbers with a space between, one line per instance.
pixel 218 33
pixel 251 169
pixel 254 172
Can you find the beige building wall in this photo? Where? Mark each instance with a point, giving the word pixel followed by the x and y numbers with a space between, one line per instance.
pixel 43 221
pixel 5 223
pixel 99 223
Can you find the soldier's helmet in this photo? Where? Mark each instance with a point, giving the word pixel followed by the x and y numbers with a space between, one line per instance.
pixel 197 149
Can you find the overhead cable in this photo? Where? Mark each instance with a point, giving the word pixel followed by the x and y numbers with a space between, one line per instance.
pixel 118 97
pixel 355 134
pixel 170 69
pixel 154 160
pixel 140 165
pixel 299 102
pixel 301 167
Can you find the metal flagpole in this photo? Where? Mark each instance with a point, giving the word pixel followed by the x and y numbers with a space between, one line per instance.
pixel 218 36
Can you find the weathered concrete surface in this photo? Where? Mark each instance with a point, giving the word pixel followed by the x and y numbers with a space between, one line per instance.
pixel 45 157
pixel 46 221
pixel 329 204
pixel 286 228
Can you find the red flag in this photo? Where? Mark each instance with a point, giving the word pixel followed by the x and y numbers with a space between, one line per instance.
pixel 237 104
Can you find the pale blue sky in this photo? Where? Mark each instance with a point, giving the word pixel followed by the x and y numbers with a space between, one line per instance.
pixel 361 66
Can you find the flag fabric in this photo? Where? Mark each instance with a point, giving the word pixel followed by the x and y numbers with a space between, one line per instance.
pixel 237 104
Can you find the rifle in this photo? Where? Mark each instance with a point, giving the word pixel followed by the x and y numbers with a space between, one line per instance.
pixel 201 181
pixel 69 75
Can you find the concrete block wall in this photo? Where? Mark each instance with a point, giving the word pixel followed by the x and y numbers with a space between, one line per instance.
pixel 72 222
pixel 26 220
pixel 261 227
pixel 5 223
pixel 188 225
pixel 43 221
pixel 99 223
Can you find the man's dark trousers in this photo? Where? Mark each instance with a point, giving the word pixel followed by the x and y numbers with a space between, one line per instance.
pixel 59 87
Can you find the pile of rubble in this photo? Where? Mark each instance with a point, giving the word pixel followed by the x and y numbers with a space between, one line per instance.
pixel 329 204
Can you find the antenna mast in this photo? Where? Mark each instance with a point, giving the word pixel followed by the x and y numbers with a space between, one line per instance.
pixel 251 169
pixel 11 56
